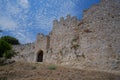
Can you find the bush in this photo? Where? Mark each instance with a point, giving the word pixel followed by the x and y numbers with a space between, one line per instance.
pixel 52 67
pixel 6 49
pixel 8 54
pixel 34 67
pixel 74 43
pixel 3 78
pixel 10 40
pixel 1 62
pixel 4 46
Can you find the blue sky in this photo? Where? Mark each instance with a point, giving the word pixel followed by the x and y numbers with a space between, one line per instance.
pixel 23 19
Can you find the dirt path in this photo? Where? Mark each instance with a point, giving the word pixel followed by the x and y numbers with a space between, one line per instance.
pixel 41 71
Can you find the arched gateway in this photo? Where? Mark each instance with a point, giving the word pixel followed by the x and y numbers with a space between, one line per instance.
pixel 40 56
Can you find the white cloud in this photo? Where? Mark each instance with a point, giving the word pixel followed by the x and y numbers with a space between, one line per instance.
pixel 24 36
pixel 24 3
pixel 43 22
pixel 7 23
pixel 13 9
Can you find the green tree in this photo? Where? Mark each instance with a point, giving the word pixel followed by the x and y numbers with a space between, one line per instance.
pixel 9 53
pixel 11 40
pixel 4 47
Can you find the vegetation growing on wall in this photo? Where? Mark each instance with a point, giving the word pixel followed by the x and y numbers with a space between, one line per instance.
pixel 74 43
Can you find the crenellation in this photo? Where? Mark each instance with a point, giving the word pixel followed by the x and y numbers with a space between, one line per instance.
pixel 40 35
pixel 61 19
pixel 74 21
pixel 68 17
pixel 74 18
pixel 65 23
pixel 55 23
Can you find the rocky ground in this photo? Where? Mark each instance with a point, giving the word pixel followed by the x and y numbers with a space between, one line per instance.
pixel 42 71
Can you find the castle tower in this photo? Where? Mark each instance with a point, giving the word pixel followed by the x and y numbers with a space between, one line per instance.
pixel 41 48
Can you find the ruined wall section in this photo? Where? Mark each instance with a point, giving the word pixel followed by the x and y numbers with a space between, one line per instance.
pixel 61 37
pixel 24 52
pixel 100 36
pixel 92 42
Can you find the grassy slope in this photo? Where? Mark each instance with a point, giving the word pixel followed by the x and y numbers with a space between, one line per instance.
pixel 41 71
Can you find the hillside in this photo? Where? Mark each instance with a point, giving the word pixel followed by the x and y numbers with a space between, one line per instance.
pixel 41 71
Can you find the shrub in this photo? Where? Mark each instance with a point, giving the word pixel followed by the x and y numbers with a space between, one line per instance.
pixel 75 46
pixel 52 67
pixel 10 40
pixel 74 43
pixel 3 78
pixel 1 63
pixel 4 46
pixel 34 67
pixel 6 49
pixel 8 54
pixel 83 55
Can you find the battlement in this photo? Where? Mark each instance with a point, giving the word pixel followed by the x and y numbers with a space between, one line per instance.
pixel 65 21
pixel 40 35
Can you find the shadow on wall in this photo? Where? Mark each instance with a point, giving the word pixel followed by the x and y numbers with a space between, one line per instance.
pixel 40 56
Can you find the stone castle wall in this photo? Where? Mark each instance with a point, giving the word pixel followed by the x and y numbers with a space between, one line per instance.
pixel 93 42
pixel 42 44
pixel 25 52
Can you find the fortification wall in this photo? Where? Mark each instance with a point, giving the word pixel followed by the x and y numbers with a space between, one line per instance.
pixel 100 36
pixel 92 42
pixel 61 36
pixel 25 52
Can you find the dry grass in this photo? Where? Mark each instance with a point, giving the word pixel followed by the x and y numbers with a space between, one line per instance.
pixel 41 71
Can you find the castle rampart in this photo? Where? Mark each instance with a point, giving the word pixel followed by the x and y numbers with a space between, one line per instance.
pixel 90 43
pixel 24 52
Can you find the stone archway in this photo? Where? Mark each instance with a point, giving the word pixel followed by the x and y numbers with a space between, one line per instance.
pixel 40 56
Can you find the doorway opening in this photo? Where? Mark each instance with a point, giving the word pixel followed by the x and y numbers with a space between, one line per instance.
pixel 40 56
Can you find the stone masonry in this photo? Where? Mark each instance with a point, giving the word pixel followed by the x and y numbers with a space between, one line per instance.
pixel 90 43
